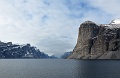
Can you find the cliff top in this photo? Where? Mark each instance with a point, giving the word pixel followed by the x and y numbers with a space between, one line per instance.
pixel 87 22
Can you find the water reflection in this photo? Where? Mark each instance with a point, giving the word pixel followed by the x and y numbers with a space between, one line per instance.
pixel 37 68
pixel 99 69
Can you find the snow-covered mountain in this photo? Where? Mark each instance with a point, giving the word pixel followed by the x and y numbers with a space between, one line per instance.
pixel 9 50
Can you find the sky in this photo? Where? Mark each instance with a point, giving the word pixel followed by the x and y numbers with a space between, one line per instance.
pixel 52 25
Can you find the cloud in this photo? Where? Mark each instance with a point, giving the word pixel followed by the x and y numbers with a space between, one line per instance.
pixel 110 7
pixel 51 25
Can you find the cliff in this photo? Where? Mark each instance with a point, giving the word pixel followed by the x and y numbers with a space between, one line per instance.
pixel 98 41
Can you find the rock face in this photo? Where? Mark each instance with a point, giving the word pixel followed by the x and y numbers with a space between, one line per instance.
pixel 98 41
pixel 9 50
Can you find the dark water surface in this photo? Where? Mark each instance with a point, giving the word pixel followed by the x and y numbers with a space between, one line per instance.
pixel 59 68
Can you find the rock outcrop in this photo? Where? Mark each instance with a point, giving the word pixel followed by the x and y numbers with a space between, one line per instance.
pixel 9 50
pixel 98 41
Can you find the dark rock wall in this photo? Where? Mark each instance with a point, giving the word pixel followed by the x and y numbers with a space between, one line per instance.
pixel 94 41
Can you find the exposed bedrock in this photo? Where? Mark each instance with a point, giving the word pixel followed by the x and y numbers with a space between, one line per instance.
pixel 97 41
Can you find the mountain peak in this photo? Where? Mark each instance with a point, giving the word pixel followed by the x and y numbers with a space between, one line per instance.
pixel 115 21
pixel 88 22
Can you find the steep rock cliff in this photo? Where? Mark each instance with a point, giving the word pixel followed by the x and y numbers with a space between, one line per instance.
pixel 98 41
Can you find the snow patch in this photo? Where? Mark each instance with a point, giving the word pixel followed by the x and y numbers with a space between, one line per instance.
pixel 113 26
pixel 115 21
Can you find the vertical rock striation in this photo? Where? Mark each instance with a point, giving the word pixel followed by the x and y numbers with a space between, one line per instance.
pixel 97 41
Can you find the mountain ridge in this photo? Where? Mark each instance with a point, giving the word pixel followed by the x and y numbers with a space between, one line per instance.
pixel 10 50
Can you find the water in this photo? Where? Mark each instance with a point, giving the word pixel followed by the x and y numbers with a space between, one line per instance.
pixel 59 68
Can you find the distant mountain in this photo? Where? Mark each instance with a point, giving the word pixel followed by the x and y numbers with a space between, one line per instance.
pixel 66 54
pixel 52 57
pixel 9 50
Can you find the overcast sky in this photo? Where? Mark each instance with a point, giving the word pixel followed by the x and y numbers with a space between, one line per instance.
pixel 52 25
